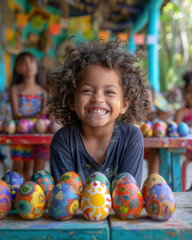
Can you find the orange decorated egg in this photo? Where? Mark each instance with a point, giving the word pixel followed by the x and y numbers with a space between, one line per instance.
pixel 127 200
pixel 5 199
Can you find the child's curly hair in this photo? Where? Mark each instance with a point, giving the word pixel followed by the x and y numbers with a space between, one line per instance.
pixel 112 55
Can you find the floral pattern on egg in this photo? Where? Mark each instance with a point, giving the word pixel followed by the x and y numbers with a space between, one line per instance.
pixel 98 176
pixel 96 201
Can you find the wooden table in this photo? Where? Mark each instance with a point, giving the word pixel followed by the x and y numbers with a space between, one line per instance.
pixel 178 227
pixel 170 150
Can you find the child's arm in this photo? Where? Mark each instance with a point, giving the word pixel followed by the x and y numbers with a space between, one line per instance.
pixel 179 115
pixel 14 102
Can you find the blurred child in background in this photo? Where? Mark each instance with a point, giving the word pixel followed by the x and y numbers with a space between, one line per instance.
pixel 152 154
pixel 28 100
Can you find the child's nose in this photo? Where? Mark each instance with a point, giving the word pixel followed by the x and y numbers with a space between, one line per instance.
pixel 98 98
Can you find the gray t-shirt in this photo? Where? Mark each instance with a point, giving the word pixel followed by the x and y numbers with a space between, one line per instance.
pixel 124 154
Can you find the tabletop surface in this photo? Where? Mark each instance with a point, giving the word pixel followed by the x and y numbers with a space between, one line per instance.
pixel 153 142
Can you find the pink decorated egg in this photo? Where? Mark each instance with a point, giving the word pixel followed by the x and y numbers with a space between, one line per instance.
pixel 159 129
pixel 147 130
pixel 127 200
pixel 5 199
pixel 9 126
pixel 30 201
pixel 45 181
pixel 63 202
pixel 23 126
pixel 150 181
pixel 40 126
pixel 96 201
pixel 160 203
pixel 54 127
pixel 73 179
pixel 123 177
pixel 31 123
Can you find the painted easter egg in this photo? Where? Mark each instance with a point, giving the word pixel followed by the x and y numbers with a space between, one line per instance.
pixel 172 129
pixel 151 180
pixel 124 177
pixel 63 201
pixel 5 199
pixel 96 201
pixel 31 123
pixel 40 126
pixel 14 180
pixel 159 129
pixel 183 129
pixel 9 126
pixel 160 203
pixel 30 200
pixel 54 127
pixel 23 126
pixel 45 181
pixel 73 179
pixel 99 176
pixel 47 122
pixel 147 130
pixel 127 200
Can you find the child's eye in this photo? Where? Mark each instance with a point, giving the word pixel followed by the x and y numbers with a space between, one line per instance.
pixel 86 91
pixel 110 92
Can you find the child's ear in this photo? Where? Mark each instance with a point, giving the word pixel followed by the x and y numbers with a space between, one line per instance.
pixel 71 104
pixel 125 106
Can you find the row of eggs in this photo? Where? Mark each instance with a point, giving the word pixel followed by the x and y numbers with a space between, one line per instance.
pixel 161 129
pixel 63 199
pixel 25 126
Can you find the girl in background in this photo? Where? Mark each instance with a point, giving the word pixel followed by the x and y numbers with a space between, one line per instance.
pixel 28 100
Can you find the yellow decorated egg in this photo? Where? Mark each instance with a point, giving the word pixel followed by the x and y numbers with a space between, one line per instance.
pixel 96 201
pixel 147 130
pixel 149 182
pixel 30 200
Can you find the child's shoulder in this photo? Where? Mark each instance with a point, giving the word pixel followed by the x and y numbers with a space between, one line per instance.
pixel 126 128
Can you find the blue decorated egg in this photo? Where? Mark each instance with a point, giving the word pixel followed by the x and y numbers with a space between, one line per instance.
pixel 124 177
pixel 30 201
pixel 63 201
pixel 5 199
pixel 99 176
pixel 14 180
pixel 160 203
pixel 45 181
pixel 127 200
pixel 172 129
pixel 183 129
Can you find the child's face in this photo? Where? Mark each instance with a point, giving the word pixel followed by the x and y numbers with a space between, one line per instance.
pixel 27 67
pixel 187 94
pixel 98 97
